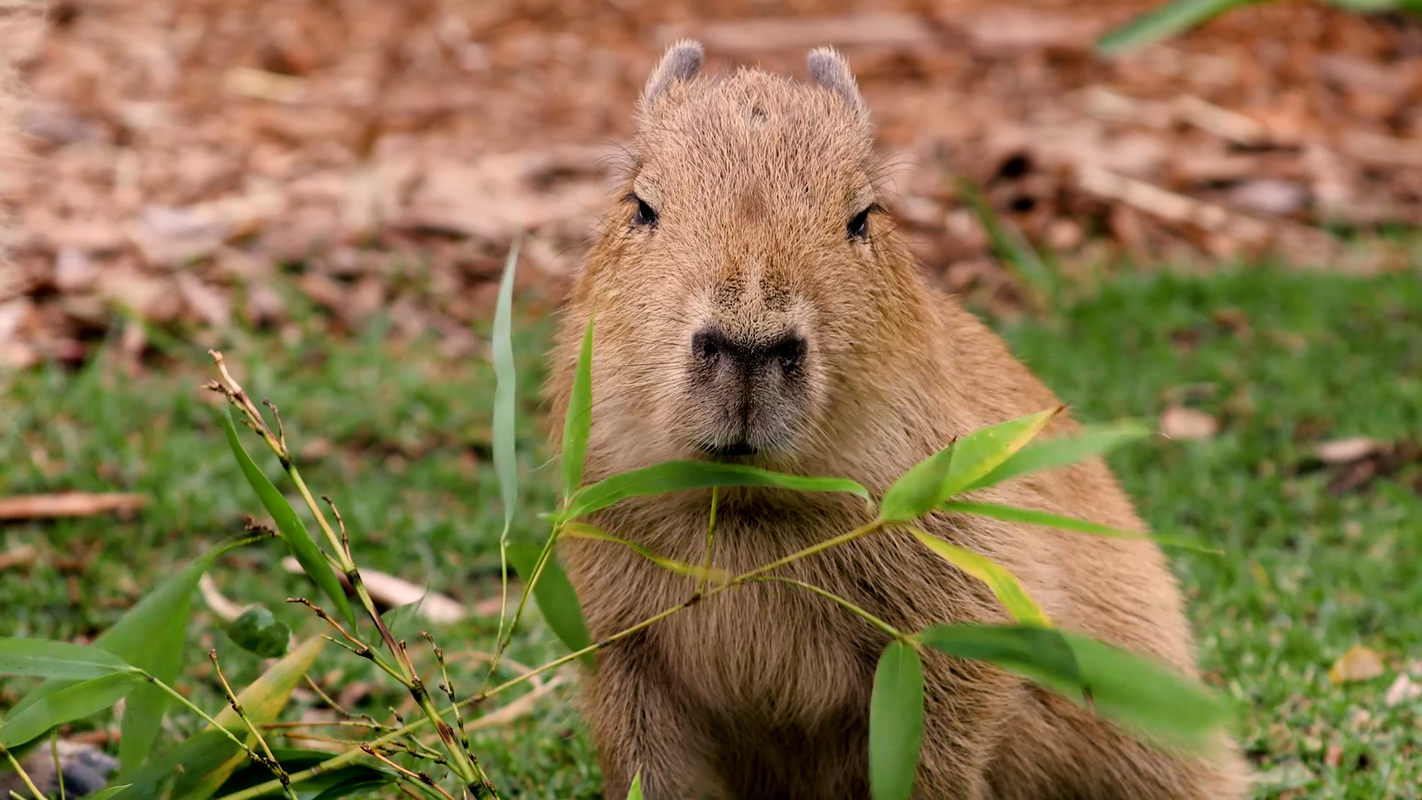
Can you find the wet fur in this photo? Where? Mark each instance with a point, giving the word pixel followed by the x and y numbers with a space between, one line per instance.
pixel 763 691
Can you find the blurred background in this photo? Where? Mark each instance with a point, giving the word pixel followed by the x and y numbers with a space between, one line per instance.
pixel 1215 228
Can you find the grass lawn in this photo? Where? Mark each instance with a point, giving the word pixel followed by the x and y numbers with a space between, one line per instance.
pixel 399 436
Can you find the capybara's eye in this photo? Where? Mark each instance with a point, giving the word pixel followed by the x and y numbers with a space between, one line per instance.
pixel 646 216
pixel 859 226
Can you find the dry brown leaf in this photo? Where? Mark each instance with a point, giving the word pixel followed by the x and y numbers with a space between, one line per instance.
pixel 220 605
pixel 1358 664
pixel 19 557
pixel 1402 690
pixel 1343 451
pixel 1178 422
pixel 69 504
pixel 394 592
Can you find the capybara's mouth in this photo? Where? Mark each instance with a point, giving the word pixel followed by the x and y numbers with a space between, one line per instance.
pixel 739 449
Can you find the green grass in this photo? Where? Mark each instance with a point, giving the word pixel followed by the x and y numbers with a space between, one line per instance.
pixel 1306 574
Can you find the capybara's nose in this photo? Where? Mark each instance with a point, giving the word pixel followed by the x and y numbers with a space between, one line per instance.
pixel 712 347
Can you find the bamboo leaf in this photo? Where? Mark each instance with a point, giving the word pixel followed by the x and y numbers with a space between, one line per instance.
pixel 635 792
pixel 556 597
pixel 45 658
pixel 578 424
pixel 581 530
pixel 958 466
pixel 672 476
pixel 355 786
pixel 1004 585
pixel 293 532
pixel 505 392
pixel 108 793
pixel 1059 451
pixel 1041 654
pixel 1164 22
pixel 895 723
pixel 72 702
pixel 1011 514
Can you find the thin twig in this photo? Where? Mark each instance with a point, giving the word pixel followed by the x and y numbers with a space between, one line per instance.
pixel 710 540
pixel 448 687
pixel 878 623
pixel 24 776
pixel 418 776
pixel 236 705
pixel 58 768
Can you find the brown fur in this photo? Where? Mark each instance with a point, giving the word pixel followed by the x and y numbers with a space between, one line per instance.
pixel 763 691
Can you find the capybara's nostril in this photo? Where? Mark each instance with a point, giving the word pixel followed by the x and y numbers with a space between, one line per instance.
pixel 709 344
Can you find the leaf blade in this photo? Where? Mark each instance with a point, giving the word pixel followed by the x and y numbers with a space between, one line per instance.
pixel 1058 451
pixel 895 723
pixel 72 702
pixel 293 531
pixel 46 658
pixel 505 391
pixel 1041 654
pixel 1163 22
pixel 1004 584
pixel 556 597
pixel 634 792
pixel 578 424
pixel 670 476
pixel 1045 519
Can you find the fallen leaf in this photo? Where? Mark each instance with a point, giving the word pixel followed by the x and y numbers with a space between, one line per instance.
pixel 1343 451
pixel 69 504
pixel 220 605
pixel 19 557
pixel 1402 690
pixel 1179 422
pixel 1334 756
pixel 1358 664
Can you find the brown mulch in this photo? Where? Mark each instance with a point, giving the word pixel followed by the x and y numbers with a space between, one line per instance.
pixel 198 161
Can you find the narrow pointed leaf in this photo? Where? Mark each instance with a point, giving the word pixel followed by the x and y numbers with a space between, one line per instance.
pixel 583 531
pixel 355 787
pixel 351 777
pixel 917 491
pixel 1041 654
pixel 45 658
pixel 1059 451
pixel 76 701
pixel 1164 22
pixel 578 424
pixel 109 793
pixel 1011 514
pixel 205 761
pixel 149 636
pixel 293 532
pixel 258 632
pixel 556 597
pixel 1004 585
pixel 635 791
pixel 958 466
pixel 672 476
pixel 505 392
pixel 979 453
pixel 895 723
pixel 1145 696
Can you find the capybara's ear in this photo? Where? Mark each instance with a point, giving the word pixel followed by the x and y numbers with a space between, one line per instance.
pixel 829 69
pixel 680 63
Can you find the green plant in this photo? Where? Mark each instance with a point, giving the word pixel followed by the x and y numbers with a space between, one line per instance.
pixel 233 758
pixel 1173 19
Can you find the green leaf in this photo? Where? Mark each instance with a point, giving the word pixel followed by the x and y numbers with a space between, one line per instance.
pixel 149 636
pixel 1143 695
pixel 635 791
pixel 75 701
pixel 958 466
pixel 1164 22
pixel 293 532
pixel 109 793
pixel 1058 451
pixel 672 476
pixel 45 658
pixel 1010 514
pixel 1041 654
pixel 1004 585
pixel 505 392
pixel 354 786
pixel 895 723
pixel 582 531
pixel 555 595
pixel 204 762
pixel 578 423
pixel 1139 693
pixel 260 633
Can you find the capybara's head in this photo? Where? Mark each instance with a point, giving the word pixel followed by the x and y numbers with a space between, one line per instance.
pixel 748 271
